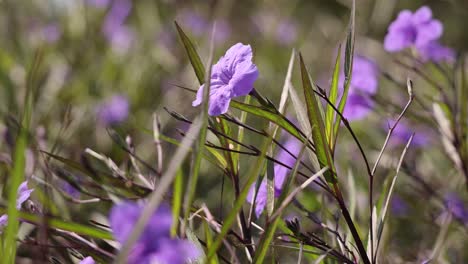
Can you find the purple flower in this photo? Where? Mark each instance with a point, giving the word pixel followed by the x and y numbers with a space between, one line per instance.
pixel 3 221
pixel 436 52
pixel 364 83
pixel 155 244
pixel 23 195
pixel 196 24
pixel 398 206
pixel 358 106
pixel 51 33
pixel 117 33
pixel 233 76
pixel 412 30
pixel 223 31
pixel 402 133
pixel 456 207
pixel 286 32
pixel 281 172
pixel 114 111
pixel 87 260
pixel 70 190
pixel 365 75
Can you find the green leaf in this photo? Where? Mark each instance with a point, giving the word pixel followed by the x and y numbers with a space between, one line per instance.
pixel 333 97
pixel 322 149
pixel 19 160
pixel 348 69
pixel 56 223
pixel 192 54
pixel 274 117
pixel 176 201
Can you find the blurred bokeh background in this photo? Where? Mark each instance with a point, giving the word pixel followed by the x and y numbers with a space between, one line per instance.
pixel 126 56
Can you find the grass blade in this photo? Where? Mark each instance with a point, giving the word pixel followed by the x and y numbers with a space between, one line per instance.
pixel 348 69
pixel 192 54
pixel 329 118
pixel 319 137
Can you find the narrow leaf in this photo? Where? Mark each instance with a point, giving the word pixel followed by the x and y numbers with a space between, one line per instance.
pixel 322 148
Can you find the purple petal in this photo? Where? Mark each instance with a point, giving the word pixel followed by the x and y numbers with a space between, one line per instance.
pixel 113 111
pixel 244 78
pixel 436 52
pixel 422 15
pixel 357 107
pixel 3 221
pixel 23 194
pixel 122 219
pixel 396 41
pixel 429 32
pixel 87 260
pixel 261 199
pixel 219 102
pixel 175 252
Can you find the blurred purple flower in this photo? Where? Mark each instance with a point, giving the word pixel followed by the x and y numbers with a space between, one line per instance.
pixel 398 206
pixel 98 3
pixel 195 23
pixel 3 221
pixel 51 33
pixel 23 195
pixel 155 245
pixel 402 133
pixel 436 52
pixel 281 172
pixel 117 33
pixel 87 260
pixel 412 30
pixel 358 106
pixel 113 111
pixel 70 190
pixel 456 207
pixel 223 31
pixel 233 76
pixel 364 83
pixel 286 32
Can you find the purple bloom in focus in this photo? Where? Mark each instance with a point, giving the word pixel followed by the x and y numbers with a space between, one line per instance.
pixel 113 111
pixel 436 52
pixel 412 30
pixel 23 195
pixel 398 206
pixel 87 260
pixel 286 32
pixel 155 245
pixel 233 76
pixel 456 207
pixel 281 172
